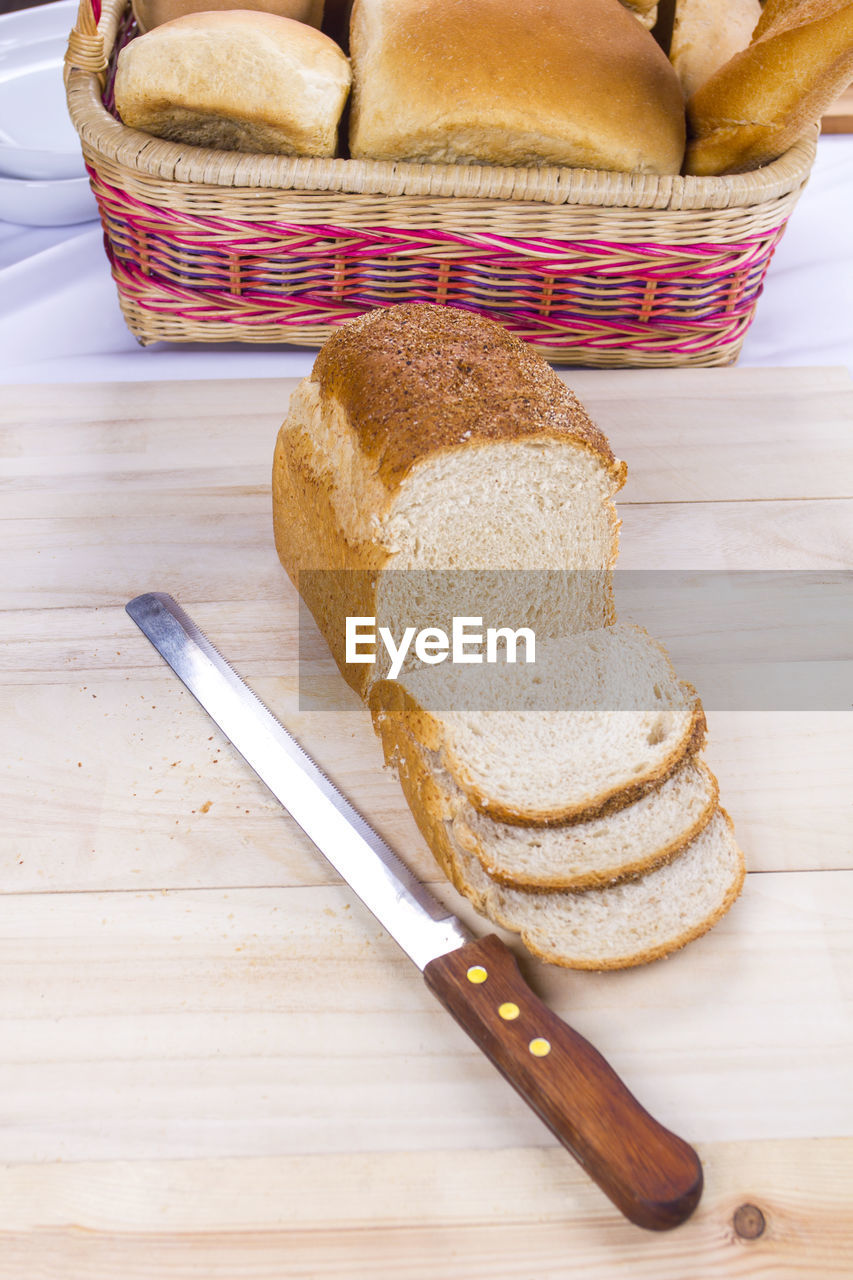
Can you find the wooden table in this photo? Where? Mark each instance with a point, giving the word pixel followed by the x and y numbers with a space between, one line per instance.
pixel 213 1063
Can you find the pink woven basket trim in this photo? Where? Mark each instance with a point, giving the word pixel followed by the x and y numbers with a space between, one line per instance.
pixel 607 258
pixel 589 295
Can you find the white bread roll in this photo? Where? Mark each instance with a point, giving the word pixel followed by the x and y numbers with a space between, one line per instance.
pixel 153 13
pixel 236 80
pixel 513 82
pixel 706 33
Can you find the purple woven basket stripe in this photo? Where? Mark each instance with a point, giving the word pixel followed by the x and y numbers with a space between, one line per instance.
pixel 606 257
pixel 590 294
pixel 568 329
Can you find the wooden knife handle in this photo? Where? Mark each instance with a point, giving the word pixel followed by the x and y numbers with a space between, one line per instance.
pixel 654 1177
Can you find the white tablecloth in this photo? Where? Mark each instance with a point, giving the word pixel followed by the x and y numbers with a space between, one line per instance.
pixel 60 318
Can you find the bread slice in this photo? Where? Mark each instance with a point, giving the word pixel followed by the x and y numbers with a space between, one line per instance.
pixel 584 855
pixel 237 80
pixel 625 924
pixel 430 441
pixel 575 856
pixel 595 723
pixel 609 927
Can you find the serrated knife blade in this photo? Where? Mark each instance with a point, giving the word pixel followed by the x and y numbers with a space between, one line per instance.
pixel 414 918
pixel 650 1174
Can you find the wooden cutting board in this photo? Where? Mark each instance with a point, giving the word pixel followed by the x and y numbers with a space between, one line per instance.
pixel 213 1063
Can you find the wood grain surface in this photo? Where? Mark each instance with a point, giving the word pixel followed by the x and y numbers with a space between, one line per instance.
pixel 839 117
pixel 213 1062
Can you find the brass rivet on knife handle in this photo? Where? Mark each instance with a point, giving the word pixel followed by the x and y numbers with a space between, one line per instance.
pixel 652 1175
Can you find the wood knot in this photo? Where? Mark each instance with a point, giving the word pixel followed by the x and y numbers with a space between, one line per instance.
pixel 749 1222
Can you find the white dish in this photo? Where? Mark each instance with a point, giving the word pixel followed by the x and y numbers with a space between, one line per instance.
pixel 47 204
pixel 37 138
pixel 33 24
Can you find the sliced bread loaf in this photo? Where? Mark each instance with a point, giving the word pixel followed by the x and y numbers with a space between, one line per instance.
pixel 611 927
pixel 624 924
pixel 575 856
pixel 595 723
pixel 430 439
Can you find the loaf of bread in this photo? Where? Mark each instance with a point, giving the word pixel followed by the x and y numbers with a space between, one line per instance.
pixel 766 97
pixel 706 34
pixel 564 797
pixel 610 927
pixel 430 440
pixel 598 720
pixel 153 13
pixel 513 82
pixel 235 80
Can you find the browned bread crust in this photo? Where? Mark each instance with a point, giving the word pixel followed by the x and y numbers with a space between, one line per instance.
pixel 399 386
pixel 153 13
pixel 417 379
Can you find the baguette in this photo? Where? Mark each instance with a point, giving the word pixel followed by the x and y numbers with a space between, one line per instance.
pixel 767 96
pixel 706 34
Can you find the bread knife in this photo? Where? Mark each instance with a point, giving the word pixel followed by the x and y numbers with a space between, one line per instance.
pixel 650 1174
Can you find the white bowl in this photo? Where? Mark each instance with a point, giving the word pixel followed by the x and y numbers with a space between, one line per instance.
pixel 37 138
pixel 47 204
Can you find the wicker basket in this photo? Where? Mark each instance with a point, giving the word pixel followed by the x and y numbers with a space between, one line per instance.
pixel 592 268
